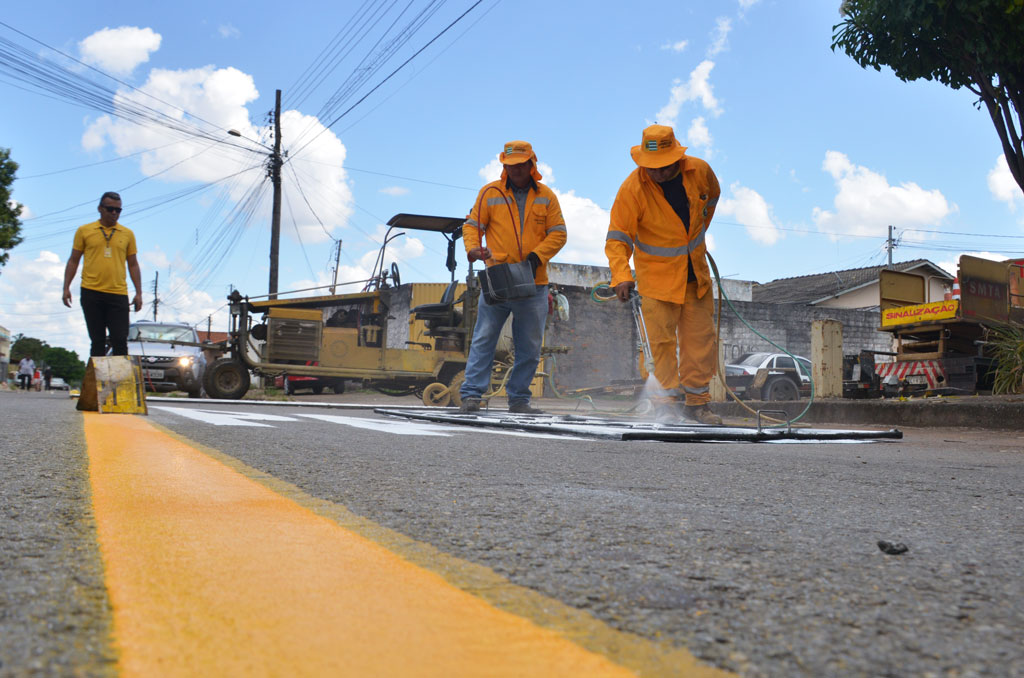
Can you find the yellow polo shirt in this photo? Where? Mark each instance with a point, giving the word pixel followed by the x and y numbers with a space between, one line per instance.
pixel 100 272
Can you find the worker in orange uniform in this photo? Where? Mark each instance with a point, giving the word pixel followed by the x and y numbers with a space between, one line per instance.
pixel 659 218
pixel 514 219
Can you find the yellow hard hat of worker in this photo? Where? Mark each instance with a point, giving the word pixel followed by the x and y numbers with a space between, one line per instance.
pixel 659 148
pixel 516 153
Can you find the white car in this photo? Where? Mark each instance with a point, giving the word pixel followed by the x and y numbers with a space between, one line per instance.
pixel 170 356
pixel 58 384
pixel 782 380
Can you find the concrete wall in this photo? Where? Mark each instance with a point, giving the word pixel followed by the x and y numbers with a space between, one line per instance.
pixel 603 346
pixel 578 275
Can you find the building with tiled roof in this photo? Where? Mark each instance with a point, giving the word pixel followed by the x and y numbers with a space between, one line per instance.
pixel 852 288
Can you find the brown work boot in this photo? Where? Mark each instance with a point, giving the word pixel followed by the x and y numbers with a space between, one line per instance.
pixel 470 405
pixel 524 407
pixel 702 414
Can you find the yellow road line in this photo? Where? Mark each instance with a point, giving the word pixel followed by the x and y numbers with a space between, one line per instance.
pixel 213 572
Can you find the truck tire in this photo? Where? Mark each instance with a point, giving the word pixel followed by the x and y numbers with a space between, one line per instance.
pixel 779 388
pixel 226 379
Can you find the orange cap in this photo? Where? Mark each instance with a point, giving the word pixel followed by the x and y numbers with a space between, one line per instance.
pixel 516 153
pixel 659 148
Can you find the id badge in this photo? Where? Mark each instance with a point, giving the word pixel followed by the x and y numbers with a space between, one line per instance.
pixel 107 253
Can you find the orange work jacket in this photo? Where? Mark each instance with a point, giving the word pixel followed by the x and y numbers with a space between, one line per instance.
pixel 496 215
pixel 645 227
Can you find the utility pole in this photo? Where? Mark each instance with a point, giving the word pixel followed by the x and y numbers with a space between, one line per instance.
pixel 337 258
pixel 275 178
pixel 889 245
pixel 156 299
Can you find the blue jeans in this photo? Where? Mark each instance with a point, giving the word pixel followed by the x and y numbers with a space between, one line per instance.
pixel 528 316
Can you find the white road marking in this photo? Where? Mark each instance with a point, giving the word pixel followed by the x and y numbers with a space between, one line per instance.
pixel 395 426
pixel 402 427
pixel 225 418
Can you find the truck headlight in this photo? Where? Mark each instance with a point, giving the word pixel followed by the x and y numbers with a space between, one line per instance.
pixel 185 361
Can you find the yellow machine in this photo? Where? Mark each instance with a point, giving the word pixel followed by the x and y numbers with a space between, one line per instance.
pixel 347 335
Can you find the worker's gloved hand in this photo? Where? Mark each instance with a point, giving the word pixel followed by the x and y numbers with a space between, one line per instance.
pixel 623 289
pixel 534 261
pixel 478 253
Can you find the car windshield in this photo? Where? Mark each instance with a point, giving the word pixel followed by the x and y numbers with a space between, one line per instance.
pixel 161 333
pixel 752 359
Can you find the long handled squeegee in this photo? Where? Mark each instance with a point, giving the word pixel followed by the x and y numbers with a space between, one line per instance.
pixel 641 331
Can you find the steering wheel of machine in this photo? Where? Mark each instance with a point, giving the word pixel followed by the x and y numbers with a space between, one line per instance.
pixel 396 279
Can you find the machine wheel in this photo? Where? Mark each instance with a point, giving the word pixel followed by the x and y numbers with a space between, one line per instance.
pixel 318 389
pixel 454 385
pixel 436 395
pixel 198 393
pixel 226 379
pixel 779 388
pixel 339 387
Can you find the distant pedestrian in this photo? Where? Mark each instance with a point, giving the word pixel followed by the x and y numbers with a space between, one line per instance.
pixel 26 368
pixel 47 375
pixel 108 247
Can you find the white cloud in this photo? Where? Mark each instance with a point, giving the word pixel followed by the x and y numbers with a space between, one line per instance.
pixel 229 31
pixel 220 97
pixel 950 265
pixel 747 4
pixel 720 36
pixel 749 208
pixel 394 191
pixel 31 290
pixel 698 136
pixel 119 50
pixel 697 88
pixel 1003 186
pixel 587 226
pixel 676 46
pixel 865 203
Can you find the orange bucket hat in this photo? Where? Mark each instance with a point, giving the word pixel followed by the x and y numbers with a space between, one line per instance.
pixel 659 148
pixel 516 153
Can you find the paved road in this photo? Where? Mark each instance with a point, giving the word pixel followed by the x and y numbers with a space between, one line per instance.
pixel 760 559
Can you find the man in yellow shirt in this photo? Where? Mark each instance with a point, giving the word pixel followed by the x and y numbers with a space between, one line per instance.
pixel 659 218
pixel 108 247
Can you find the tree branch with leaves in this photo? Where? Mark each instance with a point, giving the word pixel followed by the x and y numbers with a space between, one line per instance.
pixel 976 44
pixel 10 225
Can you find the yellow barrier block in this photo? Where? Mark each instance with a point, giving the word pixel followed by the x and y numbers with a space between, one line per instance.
pixel 113 384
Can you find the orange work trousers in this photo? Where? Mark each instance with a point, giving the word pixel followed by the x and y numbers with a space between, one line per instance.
pixel 682 340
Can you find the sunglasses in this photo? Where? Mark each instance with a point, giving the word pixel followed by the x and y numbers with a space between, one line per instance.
pixel 112 210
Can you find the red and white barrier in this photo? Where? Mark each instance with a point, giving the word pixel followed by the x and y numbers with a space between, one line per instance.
pixel 931 370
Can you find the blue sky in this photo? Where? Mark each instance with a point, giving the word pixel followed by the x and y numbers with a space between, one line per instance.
pixel 816 156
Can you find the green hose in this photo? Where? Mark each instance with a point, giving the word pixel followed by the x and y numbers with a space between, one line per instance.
pixel 799 366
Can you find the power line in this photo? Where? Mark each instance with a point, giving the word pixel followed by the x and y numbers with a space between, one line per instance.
pixel 391 75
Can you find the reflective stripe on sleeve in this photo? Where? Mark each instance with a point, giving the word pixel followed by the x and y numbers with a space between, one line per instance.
pixel 472 223
pixel 560 227
pixel 542 201
pixel 621 237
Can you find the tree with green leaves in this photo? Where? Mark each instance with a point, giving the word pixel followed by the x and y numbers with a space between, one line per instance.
pixel 65 363
pixel 10 225
pixel 977 44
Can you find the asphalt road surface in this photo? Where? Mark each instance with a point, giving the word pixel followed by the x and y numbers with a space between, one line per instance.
pixel 759 559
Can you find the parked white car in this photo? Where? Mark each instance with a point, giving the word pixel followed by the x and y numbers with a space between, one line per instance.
pixel 782 379
pixel 170 356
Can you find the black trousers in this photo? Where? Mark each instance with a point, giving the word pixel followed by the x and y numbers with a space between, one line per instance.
pixel 103 312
